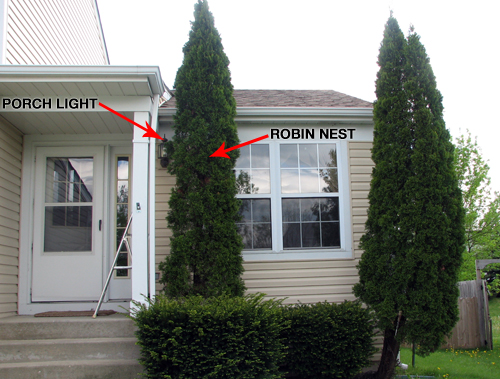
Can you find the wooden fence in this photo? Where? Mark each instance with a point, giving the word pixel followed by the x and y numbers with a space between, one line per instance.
pixel 473 330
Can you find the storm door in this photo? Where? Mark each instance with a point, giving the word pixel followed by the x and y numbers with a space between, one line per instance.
pixel 67 225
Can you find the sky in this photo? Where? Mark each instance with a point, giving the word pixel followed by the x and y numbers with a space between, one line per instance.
pixel 327 44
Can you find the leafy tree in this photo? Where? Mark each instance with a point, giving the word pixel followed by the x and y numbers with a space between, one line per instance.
pixel 482 217
pixel 205 256
pixel 414 232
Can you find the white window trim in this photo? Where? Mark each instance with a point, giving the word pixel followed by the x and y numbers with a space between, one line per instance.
pixel 277 252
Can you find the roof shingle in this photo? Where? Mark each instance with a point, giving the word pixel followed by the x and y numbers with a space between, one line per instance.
pixel 291 98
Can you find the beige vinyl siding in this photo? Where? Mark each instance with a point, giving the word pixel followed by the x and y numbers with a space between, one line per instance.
pixel 57 32
pixel 164 184
pixel 10 197
pixel 360 170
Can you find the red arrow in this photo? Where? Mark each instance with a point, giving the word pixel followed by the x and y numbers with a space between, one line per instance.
pixel 222 153
pixel 149 131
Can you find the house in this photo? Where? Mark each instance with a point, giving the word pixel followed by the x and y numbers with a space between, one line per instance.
pixel 317 160
pixel 72 173
pixel 70 177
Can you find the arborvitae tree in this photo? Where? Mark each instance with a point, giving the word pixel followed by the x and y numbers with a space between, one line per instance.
pixel 414 232
pixel 205 252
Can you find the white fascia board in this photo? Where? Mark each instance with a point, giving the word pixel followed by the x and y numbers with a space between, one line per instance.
pixel 294 114
pixel 83 73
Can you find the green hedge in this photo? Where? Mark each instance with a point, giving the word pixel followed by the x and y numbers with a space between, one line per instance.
pixel 328 340
pixel 220 337
pixel 248 337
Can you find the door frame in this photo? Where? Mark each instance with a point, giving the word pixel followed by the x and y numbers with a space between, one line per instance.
pixel 30 143
pixel 122 285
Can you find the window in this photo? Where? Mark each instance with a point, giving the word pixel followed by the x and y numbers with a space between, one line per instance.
pixel 122 177
pixel 292 200
pixel 68 204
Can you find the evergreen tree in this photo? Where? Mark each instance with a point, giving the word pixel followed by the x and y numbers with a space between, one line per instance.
pixel 414 232
pixel 205 252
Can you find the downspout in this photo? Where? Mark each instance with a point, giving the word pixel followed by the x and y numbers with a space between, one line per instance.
pixel 152 201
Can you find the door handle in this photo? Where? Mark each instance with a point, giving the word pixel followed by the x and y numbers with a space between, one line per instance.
pixel 100 225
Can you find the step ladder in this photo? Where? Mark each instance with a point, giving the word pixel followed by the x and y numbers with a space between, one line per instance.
pixel 124 240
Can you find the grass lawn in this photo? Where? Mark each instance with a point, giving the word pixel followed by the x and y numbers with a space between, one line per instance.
pixel 463 364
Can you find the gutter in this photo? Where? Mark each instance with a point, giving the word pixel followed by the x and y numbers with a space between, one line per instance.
pixel 292 114
pixel 14 73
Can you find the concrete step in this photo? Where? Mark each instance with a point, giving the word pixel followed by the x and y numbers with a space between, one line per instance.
pixel 80 369
pixel 14 351
pixel 35 328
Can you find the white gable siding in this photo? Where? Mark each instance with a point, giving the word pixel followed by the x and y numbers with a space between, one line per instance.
pixel 56 32
pixel 10 192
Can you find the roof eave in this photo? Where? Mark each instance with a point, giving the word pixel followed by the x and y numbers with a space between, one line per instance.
pixel 65 73
pixel 294 114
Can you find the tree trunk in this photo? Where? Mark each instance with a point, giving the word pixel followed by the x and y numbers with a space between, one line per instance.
pixel 389 357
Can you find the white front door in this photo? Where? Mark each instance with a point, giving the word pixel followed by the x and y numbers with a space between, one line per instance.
pixel 67 225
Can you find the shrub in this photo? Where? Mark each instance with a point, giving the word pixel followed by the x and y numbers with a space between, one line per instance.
pixel 327 340
pixel 217 337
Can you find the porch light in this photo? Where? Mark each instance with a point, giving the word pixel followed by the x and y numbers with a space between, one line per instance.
pixel 162 152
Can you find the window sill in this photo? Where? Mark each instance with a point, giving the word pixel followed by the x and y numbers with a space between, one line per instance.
pixel 296 255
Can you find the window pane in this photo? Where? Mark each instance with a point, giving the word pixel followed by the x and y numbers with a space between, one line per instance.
pixel 255 227
pixel 59 196
pixel 246 211
pixel 261 210
pixel 311 222
pixel 69 180
pixel 310 234
pixel 121 215
pixel 122 261
pixel 291 235
pixel 119 235
pixel 83 171
pixel 243 184
pixel 60 167
pixel 330 209
pixel 58 216
pixel 74 234
pixel 72 216
pixel 291 209
pixel 327 155
pixel 309 209
pixel 330 234
pixel 288 156
pixel 261 181
pixel 260 156
pixel 329 180
pixel 245 231
pixel 122 191
pixel 122 168
pixel 262 236
pixel 289 181
pixel 244 160
pixel 309 181
pixel 308 155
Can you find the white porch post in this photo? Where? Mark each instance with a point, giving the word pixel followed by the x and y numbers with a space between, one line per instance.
pixel 140 198
pixel 152 198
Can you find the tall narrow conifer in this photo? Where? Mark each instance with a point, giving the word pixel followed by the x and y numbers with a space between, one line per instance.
pixel 414 232
pixel 205 256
